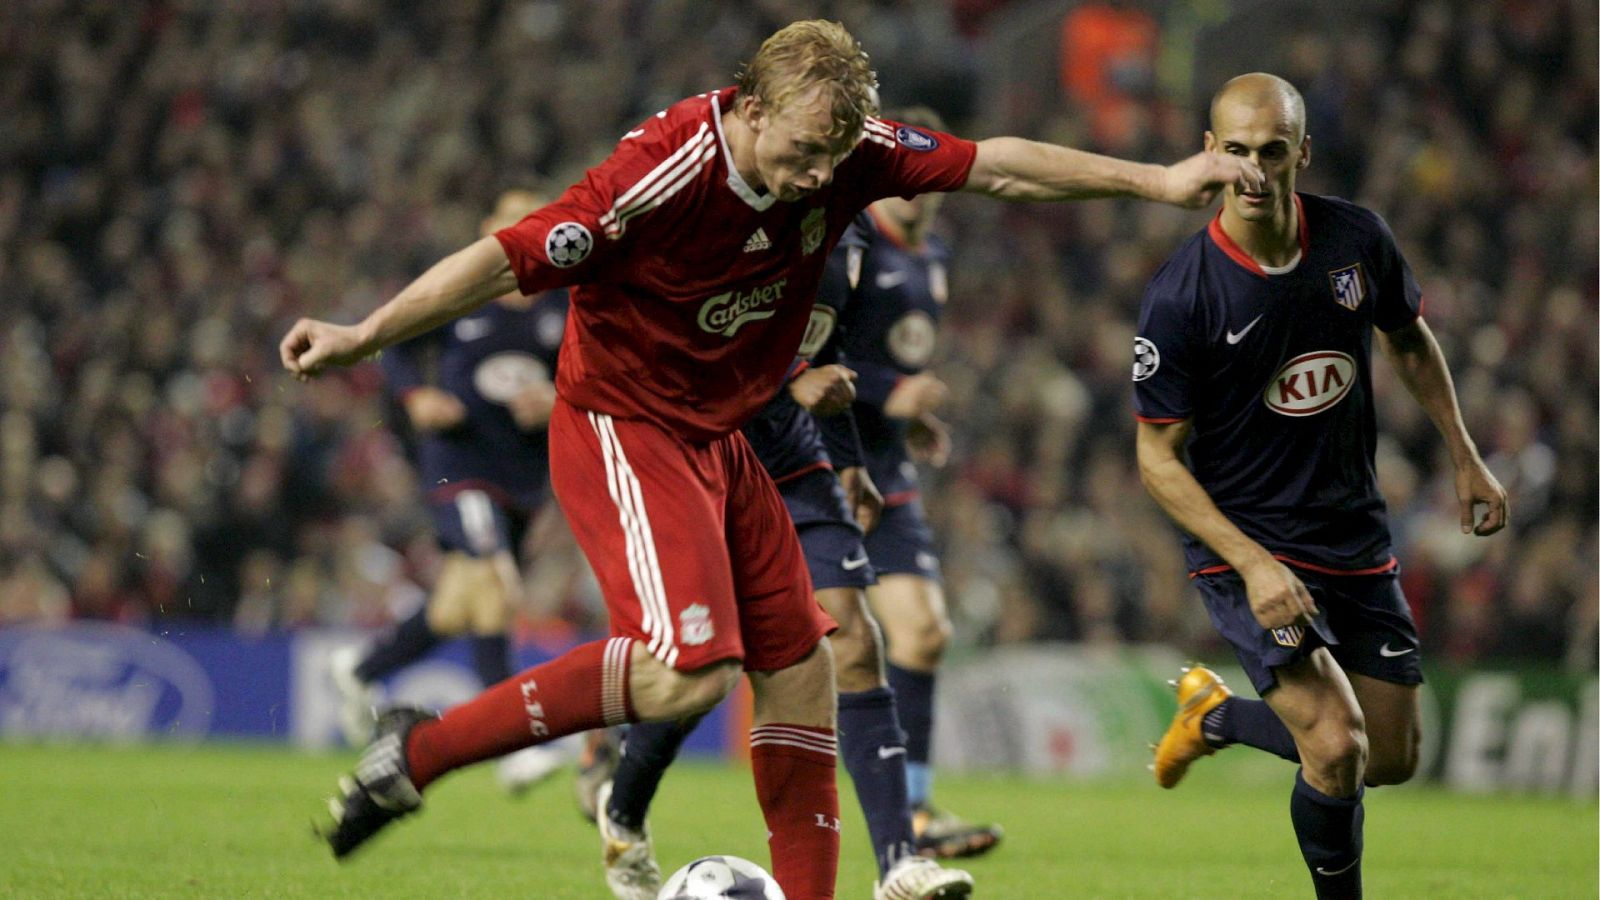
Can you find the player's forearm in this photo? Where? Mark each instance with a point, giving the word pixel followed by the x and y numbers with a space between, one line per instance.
pixel 1017 169
pixel 1420 364
pixel 1183 499
pixel 456 285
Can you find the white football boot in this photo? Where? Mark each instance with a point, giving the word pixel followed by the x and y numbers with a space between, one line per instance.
pixel 630 861
pixel 920 878
pixel 358 700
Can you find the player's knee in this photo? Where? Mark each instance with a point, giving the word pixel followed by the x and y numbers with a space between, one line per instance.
pixel 1335 753
pixel 692 693
pixel 929 638
pixel 1396 767
pixel 858 655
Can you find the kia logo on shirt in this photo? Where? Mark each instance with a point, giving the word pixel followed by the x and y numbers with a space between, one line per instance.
pixel 1310 383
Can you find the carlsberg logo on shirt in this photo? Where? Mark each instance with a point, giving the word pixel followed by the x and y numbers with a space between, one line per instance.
pixel 725 313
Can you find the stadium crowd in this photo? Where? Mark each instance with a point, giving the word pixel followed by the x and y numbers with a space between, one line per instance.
pixel 180 180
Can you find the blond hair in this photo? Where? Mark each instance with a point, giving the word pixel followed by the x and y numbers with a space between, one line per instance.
pixel 815 54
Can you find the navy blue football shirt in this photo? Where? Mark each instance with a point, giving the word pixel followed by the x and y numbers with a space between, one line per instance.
pixel 484 359
pixel 888 306
pixel 1274 370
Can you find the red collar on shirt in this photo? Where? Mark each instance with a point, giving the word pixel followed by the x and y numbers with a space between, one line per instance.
pixel 1237 254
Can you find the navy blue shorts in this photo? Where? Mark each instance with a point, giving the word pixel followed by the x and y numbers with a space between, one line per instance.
pixel 902 544
pixel 475 523
pixel 1363 620
pixel 828 531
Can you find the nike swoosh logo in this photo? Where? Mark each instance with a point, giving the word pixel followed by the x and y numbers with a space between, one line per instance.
pixel 886 752
pixel 886 280
pixel 1385 651
pixel 633 134
pixel 850 565
pixel 1322 871
pixel 1236 338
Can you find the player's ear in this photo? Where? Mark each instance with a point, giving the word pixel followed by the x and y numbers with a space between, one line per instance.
pixel 1211 142
pixel 1305 153
pixel 751 110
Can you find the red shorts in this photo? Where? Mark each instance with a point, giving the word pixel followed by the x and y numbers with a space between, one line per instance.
pixel 691 543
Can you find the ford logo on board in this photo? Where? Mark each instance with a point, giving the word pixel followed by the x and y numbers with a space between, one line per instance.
pixel 100 680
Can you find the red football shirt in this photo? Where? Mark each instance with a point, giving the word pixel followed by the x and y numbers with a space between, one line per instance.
pixel 691 291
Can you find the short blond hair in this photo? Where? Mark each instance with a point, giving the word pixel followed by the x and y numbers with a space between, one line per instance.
pixel 811 54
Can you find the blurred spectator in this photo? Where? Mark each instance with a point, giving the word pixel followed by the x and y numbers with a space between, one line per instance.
pixel 180 179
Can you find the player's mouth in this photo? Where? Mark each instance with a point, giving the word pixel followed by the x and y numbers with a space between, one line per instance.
pixel 1256 198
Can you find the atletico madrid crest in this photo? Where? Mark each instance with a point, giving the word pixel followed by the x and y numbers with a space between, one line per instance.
pixel 1349 286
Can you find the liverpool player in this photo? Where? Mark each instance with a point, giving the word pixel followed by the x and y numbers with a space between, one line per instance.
pixel 1253 359
pixel 476 395
pixel 832 502
pixel 675 337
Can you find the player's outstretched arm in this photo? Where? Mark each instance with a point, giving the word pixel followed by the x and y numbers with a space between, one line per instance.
pixel 455 285
pixel 1419 362
pixel 1016 169
pixel 1277 596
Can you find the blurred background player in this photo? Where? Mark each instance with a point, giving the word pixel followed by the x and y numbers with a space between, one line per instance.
pixel 888 303
pixel 1254 358
pixel 476 396
pixel 832 502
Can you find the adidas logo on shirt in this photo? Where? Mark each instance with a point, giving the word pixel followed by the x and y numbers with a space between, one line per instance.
pixel 758 241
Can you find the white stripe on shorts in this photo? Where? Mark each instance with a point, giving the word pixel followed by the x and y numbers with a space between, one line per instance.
pixel 643 564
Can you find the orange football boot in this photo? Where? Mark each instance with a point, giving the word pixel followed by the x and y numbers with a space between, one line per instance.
pixel 1199 692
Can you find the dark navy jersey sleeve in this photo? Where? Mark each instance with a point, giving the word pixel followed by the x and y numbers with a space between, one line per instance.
pixel 1165 351
pixel 1399 295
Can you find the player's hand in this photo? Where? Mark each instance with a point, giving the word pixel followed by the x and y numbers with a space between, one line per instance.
pixel 862 495
pixel 433 410
pixel 1196 181
pixel 1278 598
pixel 312 345
pixel 928 439
pixel 915 396
pixel 531 407
pixel 824 390
pixel 1474 485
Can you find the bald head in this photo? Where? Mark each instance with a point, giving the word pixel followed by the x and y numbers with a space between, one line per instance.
pixel 1257 93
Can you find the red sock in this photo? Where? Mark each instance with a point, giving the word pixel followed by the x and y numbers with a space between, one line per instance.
pixel 795 783
pixel 584 688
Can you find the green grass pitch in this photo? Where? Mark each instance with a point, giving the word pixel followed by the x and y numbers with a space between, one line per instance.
pixel 79 821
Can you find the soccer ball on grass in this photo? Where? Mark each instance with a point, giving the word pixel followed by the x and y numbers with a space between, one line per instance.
pixel 712 877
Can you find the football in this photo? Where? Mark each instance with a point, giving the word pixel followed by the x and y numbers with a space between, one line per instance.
pixel 567 244
pixel 721 876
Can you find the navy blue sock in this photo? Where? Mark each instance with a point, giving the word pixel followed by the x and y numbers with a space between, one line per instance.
pixel 913 696
pixel 1252 723
pixel 873 748
pixel 408 642
pixel 646 753
pixel 491 657
pixel 1329 831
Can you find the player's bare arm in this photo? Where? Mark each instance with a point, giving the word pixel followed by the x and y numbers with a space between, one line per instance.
pixel 1017 169
pixel 928 439
pixel 434 409
pixel 824 390
pixel 1277 597
pixel 915 395
pixel 1417 359
pixel 862 495
pixel 456 285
